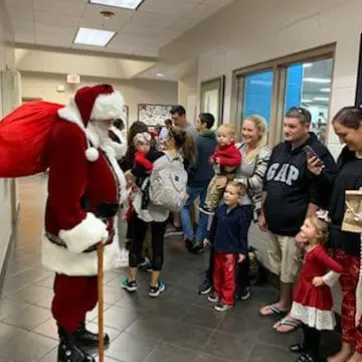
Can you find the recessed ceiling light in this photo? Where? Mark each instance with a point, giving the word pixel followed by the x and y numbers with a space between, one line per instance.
pixel 307 65
pixel 125 4
pixel 94 37
pixel 325 90
pixel 317 80
pixel 322 99
pixel 160 75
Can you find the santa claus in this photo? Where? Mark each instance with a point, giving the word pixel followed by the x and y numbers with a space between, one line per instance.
pixel 85 188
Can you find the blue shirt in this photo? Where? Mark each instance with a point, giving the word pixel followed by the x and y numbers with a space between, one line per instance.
pixel 229 230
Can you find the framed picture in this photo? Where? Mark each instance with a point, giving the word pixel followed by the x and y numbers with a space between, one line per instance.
pixel 212 98
pixel 358 100
pixel 153 114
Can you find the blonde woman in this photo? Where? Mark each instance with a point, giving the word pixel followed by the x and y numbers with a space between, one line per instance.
pixel 255 155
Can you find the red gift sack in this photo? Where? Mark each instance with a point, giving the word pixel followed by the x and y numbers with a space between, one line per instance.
pixel 23 138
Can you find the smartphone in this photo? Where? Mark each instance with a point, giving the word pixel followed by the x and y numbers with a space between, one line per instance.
pixel 311 153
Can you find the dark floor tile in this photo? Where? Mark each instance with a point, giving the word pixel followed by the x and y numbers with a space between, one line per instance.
pixel 131 348
pixel 203 357
pixel 270 336
pixel 94 313
pixel 188 335
pixel 168 353
pixel 11 306
pixel 242 321
pixel 205 317
pixel 29 318
pixel 228 346
pixel 31 294
pixel 48 329
pixel 119 318
pixel 25 347
pixel 266 353
pixel 152 327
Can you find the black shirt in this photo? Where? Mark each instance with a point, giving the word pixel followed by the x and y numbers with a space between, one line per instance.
pixel 349 177
pixel 291 187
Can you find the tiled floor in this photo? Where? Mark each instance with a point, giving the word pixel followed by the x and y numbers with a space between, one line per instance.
pixel 179 326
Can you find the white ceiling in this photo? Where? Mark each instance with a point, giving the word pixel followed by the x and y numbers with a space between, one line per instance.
pixel 139 33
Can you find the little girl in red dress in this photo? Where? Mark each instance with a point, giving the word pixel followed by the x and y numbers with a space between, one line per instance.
pixel 312 300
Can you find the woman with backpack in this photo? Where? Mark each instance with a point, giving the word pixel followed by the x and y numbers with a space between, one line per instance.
pixel 163 199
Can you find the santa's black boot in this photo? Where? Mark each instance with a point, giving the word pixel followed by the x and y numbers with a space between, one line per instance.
pixel 87 338
pixel 68 350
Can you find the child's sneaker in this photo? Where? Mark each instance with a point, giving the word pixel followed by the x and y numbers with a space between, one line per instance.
pixel 154 292
pixel 213 298
pixel 130 286
pixel 221 307
pixel 244 294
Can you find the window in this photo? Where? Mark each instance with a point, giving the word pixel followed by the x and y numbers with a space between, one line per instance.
pixel 308 85
pixel 271 88
pixel 258 94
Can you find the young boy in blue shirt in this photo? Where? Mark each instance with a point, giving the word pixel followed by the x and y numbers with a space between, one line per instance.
pixel 228 236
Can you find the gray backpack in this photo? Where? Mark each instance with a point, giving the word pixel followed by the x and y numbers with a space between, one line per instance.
pixel 167 183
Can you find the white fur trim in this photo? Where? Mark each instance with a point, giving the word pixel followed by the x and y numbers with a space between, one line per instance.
pixel 92 154
pixel 71 113
pixel 111 157
pixel 119 149
pixel 108 106
pixel 62 261
pixel 86 234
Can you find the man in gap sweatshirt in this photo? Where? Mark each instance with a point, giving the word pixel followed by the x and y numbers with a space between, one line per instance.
pixel 291 193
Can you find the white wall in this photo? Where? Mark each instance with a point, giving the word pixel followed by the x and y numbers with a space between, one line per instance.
pixel 187 95
pixel 6 60
pixel 41 85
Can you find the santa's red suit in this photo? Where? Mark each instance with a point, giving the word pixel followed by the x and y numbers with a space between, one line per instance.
pixel 85 189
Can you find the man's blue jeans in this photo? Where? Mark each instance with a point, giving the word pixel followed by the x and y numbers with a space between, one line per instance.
pixel 194 192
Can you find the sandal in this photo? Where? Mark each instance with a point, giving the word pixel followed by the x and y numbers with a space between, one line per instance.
pixel 291 325
pixel 273 310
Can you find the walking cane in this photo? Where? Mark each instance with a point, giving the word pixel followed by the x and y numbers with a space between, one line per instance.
pixel 100 303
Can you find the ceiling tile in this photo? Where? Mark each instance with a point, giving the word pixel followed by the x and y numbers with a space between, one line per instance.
pixel 25 4
pixel 126 39
pixel 24 37
pixel 202 11
pixel 148 31
pixel 23 26
pixel 61 7
pixel 17 13
pixel 55 19
pixel 167 6
pixel 145 18
pixel 55 30
pixel 185 24
pixel 60 40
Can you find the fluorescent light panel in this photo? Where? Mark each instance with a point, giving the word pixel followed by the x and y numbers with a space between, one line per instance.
pixel 94 37
pixel 325 90
pixel 316 80
pixel 125 4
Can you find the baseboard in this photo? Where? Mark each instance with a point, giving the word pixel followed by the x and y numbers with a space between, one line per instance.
pixel 9 249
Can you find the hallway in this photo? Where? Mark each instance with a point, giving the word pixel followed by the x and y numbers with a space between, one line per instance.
pixel 179 326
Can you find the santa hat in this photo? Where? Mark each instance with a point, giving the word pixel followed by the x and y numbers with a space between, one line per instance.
pixel 100 102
